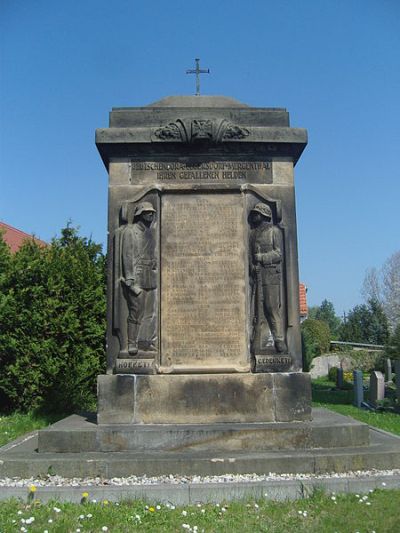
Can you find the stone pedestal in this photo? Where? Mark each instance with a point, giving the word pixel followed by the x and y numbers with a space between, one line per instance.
pixel 204 399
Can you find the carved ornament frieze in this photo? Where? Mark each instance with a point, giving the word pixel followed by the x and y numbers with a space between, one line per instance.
pixel 194 130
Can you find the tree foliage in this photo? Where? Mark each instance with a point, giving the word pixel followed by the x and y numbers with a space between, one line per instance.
pixel 326 313
pixel 366 323
pixel 384 286
pixel 315 337
pixel 393 347
pixel 52 316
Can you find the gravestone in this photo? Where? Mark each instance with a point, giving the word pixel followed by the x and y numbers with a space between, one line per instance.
pixel 339 378
pixel 358 388
pixel 387 364
pixel 376 387
pixel 203 310
pixel 397 374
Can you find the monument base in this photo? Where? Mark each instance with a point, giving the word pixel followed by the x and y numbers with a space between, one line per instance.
pixel 327 430
pixel 78 447
pixel 203 398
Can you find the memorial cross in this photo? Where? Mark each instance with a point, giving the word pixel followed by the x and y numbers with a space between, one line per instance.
pixel 197 71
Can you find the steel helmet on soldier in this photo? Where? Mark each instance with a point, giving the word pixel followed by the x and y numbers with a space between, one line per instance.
pixel 264 209
pixel 143 206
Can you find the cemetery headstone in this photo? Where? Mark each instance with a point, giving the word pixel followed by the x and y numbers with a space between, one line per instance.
pixel 376 387
pixel 388 369
pixel 397 373
pixel 358 388
pixel 339 378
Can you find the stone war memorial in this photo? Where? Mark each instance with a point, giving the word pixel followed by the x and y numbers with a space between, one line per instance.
pixel 204 361
pixel 203 319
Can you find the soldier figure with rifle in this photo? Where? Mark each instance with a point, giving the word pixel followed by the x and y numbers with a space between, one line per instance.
pixel 139 266
pixel 266 256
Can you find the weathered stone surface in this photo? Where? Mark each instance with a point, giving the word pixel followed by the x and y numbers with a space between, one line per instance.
pixel 21 459
pixel 358 388
pixel 292 396
pixel 204 164
pixel 376 387
pixel 397 373
pixel 183 318
pixel 320 365
pixel 115 399
pixel 387 364
pixel 204 288
pixel 208 398
pixel 326 430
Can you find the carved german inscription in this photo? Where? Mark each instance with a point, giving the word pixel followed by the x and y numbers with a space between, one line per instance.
pixel 273 363
pixel 203 280
pixel 134 366
pixel 201 171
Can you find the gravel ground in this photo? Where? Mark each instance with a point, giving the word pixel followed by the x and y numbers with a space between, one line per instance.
pixel 58 481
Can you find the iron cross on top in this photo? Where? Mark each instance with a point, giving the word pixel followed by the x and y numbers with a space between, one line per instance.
pixel 198 71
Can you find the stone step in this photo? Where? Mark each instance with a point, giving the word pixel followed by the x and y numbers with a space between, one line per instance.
pixel 327 430
pixel 21 459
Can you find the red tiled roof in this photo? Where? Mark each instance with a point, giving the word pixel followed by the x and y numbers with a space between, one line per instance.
pixel 15 238
pixel 303 299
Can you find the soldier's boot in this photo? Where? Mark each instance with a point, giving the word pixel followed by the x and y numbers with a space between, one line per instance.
pixel 280 346
pixel 133 330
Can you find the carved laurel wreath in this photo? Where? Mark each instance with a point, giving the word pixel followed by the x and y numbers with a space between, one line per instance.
pixel 189 131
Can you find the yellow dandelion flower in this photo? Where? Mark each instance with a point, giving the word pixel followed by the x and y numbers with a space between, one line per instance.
pixel 105 502
pixel 85 495
pixel 32 488
pixel 151 509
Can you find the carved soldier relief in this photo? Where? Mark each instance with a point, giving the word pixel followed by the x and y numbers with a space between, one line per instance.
pixel 266 252
pixel 137 283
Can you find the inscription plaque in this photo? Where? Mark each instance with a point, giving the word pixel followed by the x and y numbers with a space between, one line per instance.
pixel 272 363
pixel 200 171
pixel 203 277
pixel 135 366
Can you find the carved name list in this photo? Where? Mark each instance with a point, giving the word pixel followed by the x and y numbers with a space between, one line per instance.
pixel 203 305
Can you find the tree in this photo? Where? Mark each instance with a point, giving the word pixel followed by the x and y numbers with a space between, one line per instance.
pixel 384 286
pixel 366 324
pixel 391 289
pixel 52 312
pixel 393 347
pixel 315 337
pixel 326 313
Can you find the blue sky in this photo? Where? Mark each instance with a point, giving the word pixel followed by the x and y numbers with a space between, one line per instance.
pixel 333 64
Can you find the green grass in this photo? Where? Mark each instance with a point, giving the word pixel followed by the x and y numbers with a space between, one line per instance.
pixel 341 402
pixel 320 513
pixel 17 424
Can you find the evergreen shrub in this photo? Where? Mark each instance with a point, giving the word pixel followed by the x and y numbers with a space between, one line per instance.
pixel 52 316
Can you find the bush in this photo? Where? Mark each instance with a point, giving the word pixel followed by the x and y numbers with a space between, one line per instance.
pixel 365 360
pixel 52 316
pixel 332 373
pixel 315 338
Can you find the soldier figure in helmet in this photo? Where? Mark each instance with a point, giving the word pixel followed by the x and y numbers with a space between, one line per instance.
pixel 266 255
pixel 139 266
